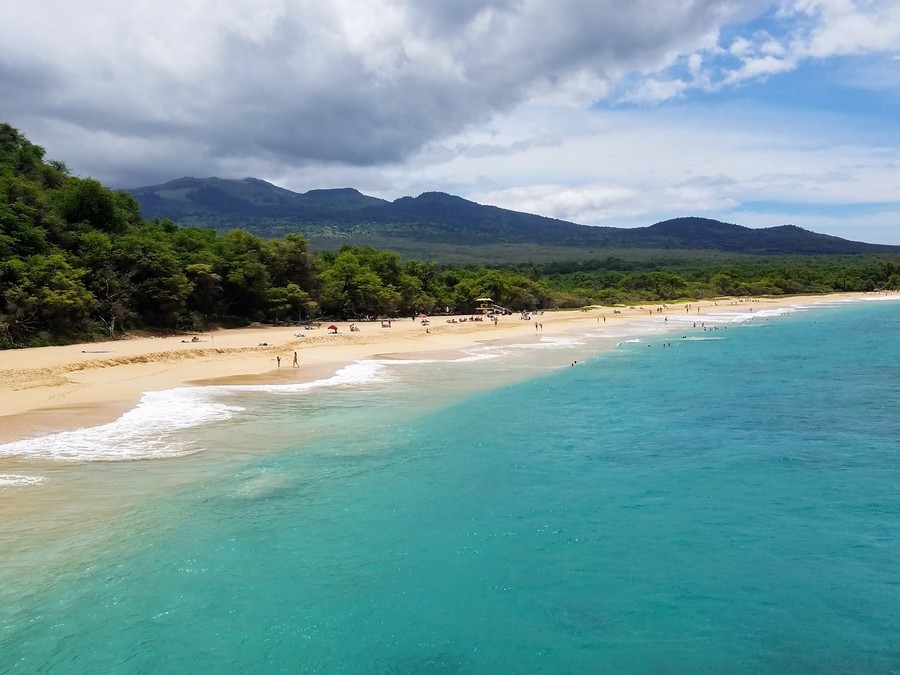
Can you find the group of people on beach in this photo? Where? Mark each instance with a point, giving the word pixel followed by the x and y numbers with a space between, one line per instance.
pixel 296 363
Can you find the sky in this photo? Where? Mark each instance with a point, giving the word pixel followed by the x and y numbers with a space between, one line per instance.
pixel 602 112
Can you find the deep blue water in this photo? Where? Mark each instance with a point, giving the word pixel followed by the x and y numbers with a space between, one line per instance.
pixel 728 505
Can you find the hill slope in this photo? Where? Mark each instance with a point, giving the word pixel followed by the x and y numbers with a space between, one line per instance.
pixel 331 218
pixel 197 198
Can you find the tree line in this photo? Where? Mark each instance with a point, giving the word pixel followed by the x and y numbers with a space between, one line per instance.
pixel 77 261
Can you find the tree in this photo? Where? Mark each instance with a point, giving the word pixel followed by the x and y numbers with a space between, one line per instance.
pixel 723 284
pixel 110 286
pixel 350 289
pixel 465 292
pixel 207 295
pixel 246 275
pixel 288 262
pixel 426 272
pixel 290 302
pixel 45 296
pixel 87 201
pixel 157 288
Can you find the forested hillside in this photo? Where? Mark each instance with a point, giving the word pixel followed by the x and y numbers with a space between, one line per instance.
pixel 78 262
pixel 451 228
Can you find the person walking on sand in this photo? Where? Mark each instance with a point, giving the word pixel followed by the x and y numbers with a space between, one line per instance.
pixel 296 363
pixel 278 361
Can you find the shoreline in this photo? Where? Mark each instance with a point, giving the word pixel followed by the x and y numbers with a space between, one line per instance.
pixel 46 390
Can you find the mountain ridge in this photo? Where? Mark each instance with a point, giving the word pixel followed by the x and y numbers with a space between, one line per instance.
pixel 332 217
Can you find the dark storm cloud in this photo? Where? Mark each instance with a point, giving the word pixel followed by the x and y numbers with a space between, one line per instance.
pixel 139 94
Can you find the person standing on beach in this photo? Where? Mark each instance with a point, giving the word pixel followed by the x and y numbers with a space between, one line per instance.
pixel 278 361
pixel 296 363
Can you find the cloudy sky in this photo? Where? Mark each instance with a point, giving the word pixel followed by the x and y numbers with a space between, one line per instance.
pixel 607 112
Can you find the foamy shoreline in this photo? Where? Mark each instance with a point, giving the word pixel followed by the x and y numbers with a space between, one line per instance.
pixel 51 389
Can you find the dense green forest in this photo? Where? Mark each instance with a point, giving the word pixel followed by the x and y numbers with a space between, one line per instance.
pixel 78 262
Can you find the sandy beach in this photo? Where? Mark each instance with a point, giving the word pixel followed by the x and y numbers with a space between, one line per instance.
pixel 48 389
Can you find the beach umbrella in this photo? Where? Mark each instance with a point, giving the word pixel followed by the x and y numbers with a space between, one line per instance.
pixel 332 327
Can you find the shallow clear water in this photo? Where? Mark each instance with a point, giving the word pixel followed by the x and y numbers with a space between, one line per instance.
pixel 720 505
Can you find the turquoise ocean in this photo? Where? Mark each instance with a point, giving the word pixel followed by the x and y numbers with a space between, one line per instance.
pixel 656 498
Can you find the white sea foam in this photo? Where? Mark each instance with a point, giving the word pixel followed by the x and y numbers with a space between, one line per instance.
pixel 149 430
pixel 545 342
pixel 557 342
pixel 18 480
pixel 144 432
pixel 724 317
pixel 473 356
pixel 647 327
pixel 358 374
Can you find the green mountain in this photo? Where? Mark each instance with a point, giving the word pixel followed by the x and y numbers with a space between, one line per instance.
pixel 435 222
pixel 193 199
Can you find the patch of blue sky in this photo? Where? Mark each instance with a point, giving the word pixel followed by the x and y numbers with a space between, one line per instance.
pixel 839 84
pixel 814 209
pixel 768 24
pixel 822 96
pixel 825 86
pixel 864 86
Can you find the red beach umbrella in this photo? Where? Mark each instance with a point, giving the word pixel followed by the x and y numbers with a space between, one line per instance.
pixel 332 327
